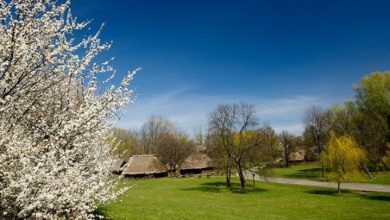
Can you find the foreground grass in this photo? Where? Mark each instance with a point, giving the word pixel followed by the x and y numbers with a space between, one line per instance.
pixel 193 198
pixel 312 170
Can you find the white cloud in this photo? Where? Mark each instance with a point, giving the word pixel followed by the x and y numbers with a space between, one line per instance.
pixel 190 111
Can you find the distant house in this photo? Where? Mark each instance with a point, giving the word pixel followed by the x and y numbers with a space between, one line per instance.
pixel 118 166
pixel 196 163
pixel 144 166
pixel 297 156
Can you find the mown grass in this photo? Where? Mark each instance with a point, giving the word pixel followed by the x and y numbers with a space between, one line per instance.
pixel 193 198
pixel 312 170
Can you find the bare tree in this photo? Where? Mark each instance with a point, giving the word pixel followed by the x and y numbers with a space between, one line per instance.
pixel 285 142
pixel 152 131
pixel 236 126
pixel 199 136
pixel 162 137
pixel 173 148
pixel 270 142
pixel 220 157
pixel 125 142
pixel 316 131
pixel 289 143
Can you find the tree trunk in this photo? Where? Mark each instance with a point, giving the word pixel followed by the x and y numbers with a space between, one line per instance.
pixel 338 187
pixel 286 159
pixel 367 171
pixel 322 169
pixel 241 176
pixel 228 173
pixel 384 165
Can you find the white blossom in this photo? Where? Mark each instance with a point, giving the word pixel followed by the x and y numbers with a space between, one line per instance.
pixel 55 115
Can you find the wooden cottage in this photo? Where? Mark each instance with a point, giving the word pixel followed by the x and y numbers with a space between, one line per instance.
pixel 118 166
pixel 144 166
pixel 297 156
pixel 196 163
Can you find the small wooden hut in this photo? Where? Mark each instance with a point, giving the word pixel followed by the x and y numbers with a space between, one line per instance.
pixel 297 156
pixel 196 163
pixel 118 166
pixel 144 166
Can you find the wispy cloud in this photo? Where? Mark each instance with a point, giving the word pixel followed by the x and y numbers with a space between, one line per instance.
pixel 190 111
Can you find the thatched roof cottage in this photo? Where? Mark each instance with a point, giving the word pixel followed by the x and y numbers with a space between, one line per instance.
pixel 297 156
pixel 196 163
pixel 118 166
pixel 144 165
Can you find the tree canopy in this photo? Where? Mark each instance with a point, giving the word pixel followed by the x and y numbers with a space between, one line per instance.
pixel 343 157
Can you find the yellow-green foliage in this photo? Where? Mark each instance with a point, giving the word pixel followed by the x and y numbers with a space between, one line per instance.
pixel 343 157
pixel 373 101
pixel 244 138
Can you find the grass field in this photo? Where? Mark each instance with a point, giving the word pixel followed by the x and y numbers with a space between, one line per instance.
pixel 312 171
pixel 301 171
pixel 193 198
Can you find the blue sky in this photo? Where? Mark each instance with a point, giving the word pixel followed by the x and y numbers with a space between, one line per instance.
pixel 282 56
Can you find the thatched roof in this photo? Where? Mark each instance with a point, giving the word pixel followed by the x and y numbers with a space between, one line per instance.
pixel 200 148
pixel 197 161
pixel 118 165
pixel 298 155
pixel 144 165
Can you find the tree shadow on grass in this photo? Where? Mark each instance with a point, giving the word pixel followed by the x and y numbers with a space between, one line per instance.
pixel 377 197
pixel 98 213
pixel 218 187
pixel 306 173
pixel 366 195
pixel 327 192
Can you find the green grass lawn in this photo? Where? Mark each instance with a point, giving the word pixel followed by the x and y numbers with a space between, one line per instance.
pixel 193 198
pixel 312 170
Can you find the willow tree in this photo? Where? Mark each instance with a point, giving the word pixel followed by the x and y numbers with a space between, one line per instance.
pixel 343 157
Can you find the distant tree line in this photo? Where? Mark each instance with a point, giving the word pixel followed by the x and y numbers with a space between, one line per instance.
pixel 237 140
pixel 239 143
pixel 366 119
pixel 158 136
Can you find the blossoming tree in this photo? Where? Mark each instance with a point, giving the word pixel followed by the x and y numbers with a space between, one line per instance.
pixel 55 113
